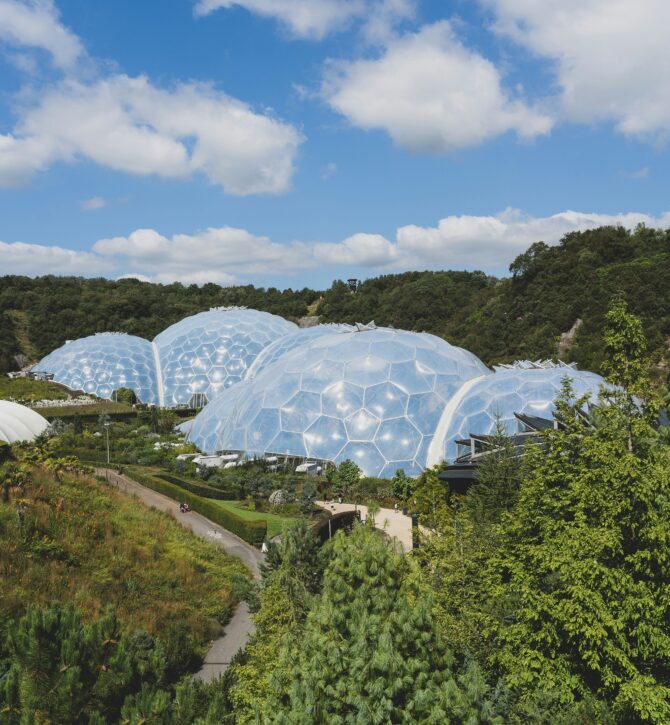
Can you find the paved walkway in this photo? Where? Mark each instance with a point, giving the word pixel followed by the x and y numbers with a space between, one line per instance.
pixel 240 627
pixel 394 523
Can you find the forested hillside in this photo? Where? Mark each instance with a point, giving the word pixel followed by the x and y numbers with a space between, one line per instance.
pixel 524 315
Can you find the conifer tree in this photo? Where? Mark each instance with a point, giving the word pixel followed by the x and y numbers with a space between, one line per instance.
pixel 370 653
pixel 66 671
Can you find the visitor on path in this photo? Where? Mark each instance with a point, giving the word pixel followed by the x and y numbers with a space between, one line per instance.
pixel 395 508
pixel 264 547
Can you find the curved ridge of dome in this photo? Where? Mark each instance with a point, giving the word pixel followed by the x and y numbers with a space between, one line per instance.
pixel 19 423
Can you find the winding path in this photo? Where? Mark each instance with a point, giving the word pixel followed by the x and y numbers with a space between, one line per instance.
pixel 394 523
pixel 240 627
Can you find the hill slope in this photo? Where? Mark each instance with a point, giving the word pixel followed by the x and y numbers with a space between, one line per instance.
pixel 549 289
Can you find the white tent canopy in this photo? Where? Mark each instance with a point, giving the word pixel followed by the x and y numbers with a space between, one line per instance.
pixel 18 423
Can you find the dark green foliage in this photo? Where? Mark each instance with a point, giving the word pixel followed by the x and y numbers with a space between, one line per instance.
pixel 370 652
pixel 402 485
pixel 9 344
pixel 496 486
pixel 126 396
pixel 62 308
pixel 555 576
pixel 199 489
pixel 62 670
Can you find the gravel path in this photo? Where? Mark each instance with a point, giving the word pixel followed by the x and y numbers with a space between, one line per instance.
pixel 240 627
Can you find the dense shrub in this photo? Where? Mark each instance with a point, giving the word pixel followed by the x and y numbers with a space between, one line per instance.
pixel 253 532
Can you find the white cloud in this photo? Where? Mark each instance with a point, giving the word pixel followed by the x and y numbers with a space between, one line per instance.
pixel 93 204
pixel 431 94
pixel 213 255
pixel 612 57
pixel 130 125
pixel 37 259
pixel 36 24
pixel 317 18
pixel 228 255
pixel 492 242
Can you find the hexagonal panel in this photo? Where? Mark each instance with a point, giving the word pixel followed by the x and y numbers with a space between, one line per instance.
pixel 325 438
pixel 398 440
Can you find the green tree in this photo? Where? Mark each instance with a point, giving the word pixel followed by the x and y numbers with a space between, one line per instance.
pixel 582 567
pixel 369 651
pixel 66 671
pixel 402 485
pixel 125 395
pixel 347 478
pixel 430 498
pixel 496 486
pixel 292 576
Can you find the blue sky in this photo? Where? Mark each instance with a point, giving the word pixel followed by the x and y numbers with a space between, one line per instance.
pixel 290 142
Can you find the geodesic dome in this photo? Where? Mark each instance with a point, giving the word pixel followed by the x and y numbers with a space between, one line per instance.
pixel 285 344
pixel 101 364
pixel 520 389
pixel 18 423
pixel 374 396
pixel 208 352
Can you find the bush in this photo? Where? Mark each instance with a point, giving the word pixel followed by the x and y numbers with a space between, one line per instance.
pixel 253 532
pixel 199 489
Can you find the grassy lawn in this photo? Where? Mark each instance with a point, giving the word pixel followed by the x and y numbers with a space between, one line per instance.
pixel 30 390
pixel 275 523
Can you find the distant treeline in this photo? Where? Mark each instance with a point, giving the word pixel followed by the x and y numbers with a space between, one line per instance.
pixel 524 315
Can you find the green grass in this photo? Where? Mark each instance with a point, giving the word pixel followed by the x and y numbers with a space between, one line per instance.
pixel 275 523
pixel 24 389
pixel 89 544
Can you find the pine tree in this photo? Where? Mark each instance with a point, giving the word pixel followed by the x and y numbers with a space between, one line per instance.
pixel 66 671
pixel 370 653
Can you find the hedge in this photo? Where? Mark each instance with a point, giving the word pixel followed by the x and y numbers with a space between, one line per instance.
pixel 200 489
pixel 254 532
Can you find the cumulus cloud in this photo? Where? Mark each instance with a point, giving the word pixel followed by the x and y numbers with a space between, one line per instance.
pixel 93 204
pixel 130 125
pixel 214 255
pixel 612 57
pixel 315 19
pixel 37 259
pixel 228 255
pixel 491 242
pixel 430 94
pixel 36 24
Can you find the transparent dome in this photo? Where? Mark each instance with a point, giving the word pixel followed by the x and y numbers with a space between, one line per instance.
pixel 18 423
pixel 208 352
pixel 103 363
pixel 501 395
pixel 280 347
pixel 374 396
